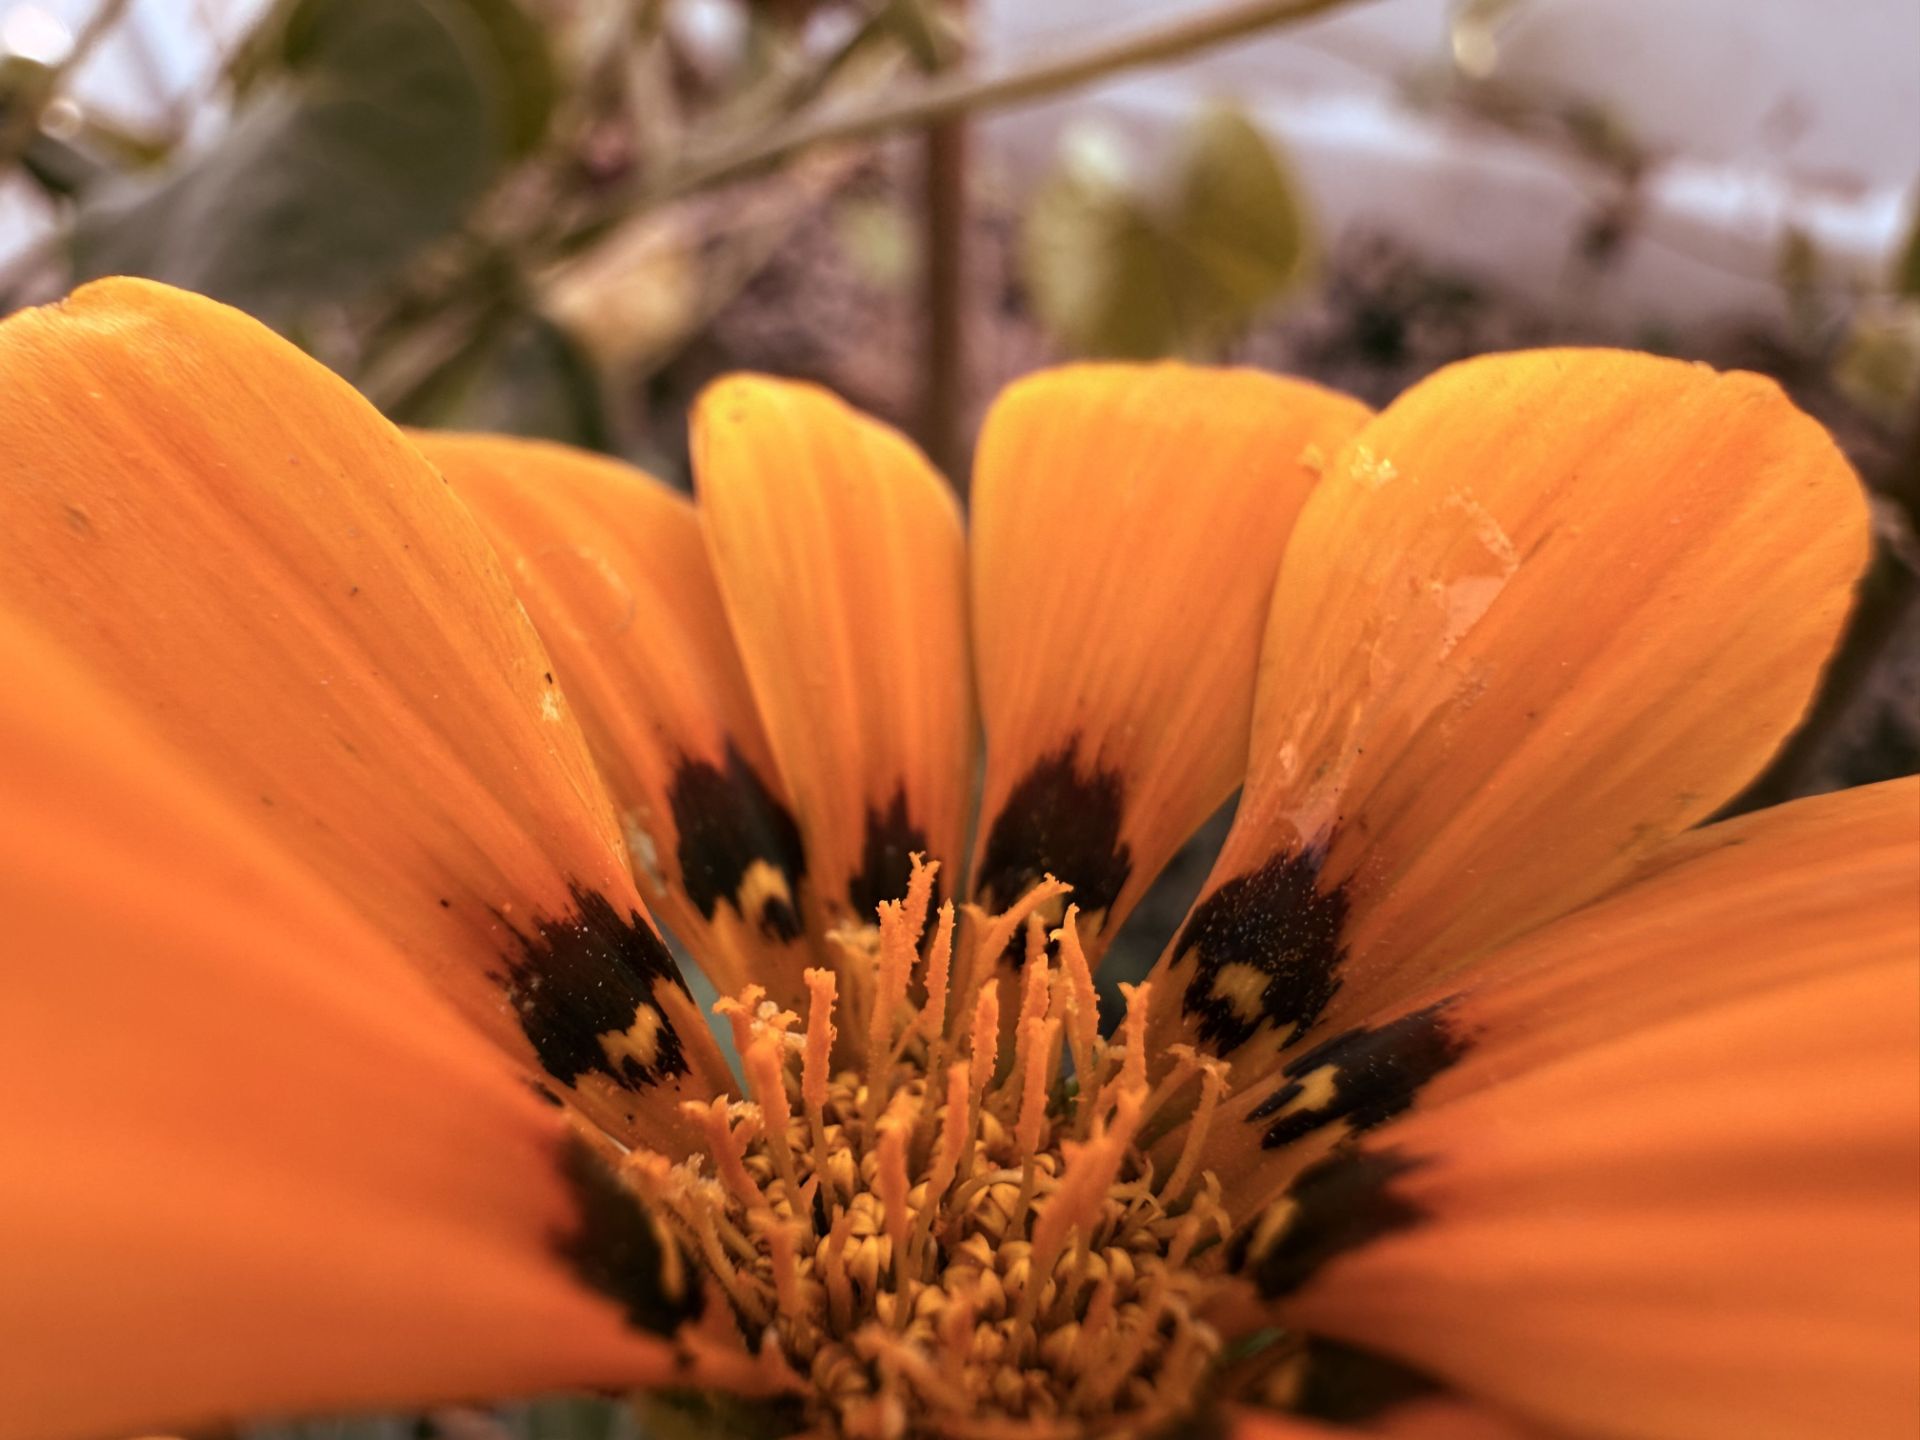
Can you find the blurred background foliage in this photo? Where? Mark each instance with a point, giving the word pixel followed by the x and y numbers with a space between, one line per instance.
pixel 560 218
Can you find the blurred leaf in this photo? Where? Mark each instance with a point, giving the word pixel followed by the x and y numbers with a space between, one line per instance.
pixel 569 1417
pixel 1239 219
pixel 525 86
pixel 713 1415
pixel 523 376
pixel 1797 266
pixel 344 1427
pixel 59 167
pixel 1121 267
pixel 1879 365
pixel 364 130
pixel 1093 266
pixel 635 295
pixel 1906 274
pixel 878 237
pixel 1473 34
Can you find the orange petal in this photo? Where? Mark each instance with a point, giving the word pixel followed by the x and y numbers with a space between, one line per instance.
pixel 1669 1185
pixel 1127 521
pixel 1767 900
pixel 1546 611
pixel 840 557
pixel 254 1164
pixel 613 570
pixel 240 545
pixel 1419 1417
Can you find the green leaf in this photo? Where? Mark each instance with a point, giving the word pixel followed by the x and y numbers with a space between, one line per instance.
pixel 364 130
pixel 524 376
pixel 1878 367
pixel 1093 264
pixel 1172 264
pixel 1906 274
pixel 1238 230
pixel 524 85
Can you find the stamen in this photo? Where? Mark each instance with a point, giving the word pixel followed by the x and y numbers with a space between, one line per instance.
pixel 764 1062
pixel 938 1246
pixel 1213 1084
pixel 999 929
pixel 1083 1016
pixel 933 1023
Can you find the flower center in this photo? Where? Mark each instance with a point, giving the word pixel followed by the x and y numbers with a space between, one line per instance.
pixel 931 1225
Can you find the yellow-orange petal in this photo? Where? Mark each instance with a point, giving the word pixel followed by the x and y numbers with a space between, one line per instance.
pixel 1756 903
pixel 1666 1184
pixel 1417 1416
pixel 254 1164
pixel 241 546
pixel 1546 611
pixel 613 571
pixel 1126 524
pixel 841 561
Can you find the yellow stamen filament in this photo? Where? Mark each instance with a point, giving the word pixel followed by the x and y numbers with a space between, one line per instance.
pixel 1213 1084
pixel 939 1246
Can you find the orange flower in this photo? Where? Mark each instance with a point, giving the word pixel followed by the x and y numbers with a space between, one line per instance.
pixel 1484 1090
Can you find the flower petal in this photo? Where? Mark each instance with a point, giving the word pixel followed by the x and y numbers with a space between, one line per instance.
pixel 1668 1185
pixel 1546 611
pixel 254 1164
pixel 840 557
pixel 239 544
pixel 1767 900
pixel 1419 1418
pixel 613 570
pixel 1126 524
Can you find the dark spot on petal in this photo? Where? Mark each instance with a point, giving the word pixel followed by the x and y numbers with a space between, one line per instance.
pixel 1333 1206
pixel 1346 1385
pixel 545 1094
pixel 583 990
pixel 1267 947
pixel 620 1251
pixel 886 860
pixel 1062 819
pixel 731 828
pixel 1374 1073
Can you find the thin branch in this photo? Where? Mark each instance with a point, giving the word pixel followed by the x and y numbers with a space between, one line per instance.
pixel 960 93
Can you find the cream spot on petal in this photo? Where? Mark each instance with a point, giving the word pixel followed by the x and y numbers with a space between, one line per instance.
pixel 639 1042
pixel 1244 987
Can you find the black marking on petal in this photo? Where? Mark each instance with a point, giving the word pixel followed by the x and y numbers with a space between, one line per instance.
pixel 1268 949
pixel 731 828
pixel 886 860
pixel 1345 1385
pixel 1062 819
pixel 583 990
pixel 1333 1206
pixel 1364 1076
pixel 620 1251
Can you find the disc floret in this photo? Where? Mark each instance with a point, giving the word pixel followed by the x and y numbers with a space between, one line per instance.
pixel 920 1218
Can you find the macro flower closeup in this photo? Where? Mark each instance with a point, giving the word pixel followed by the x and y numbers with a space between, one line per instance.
pixel 1490 1087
